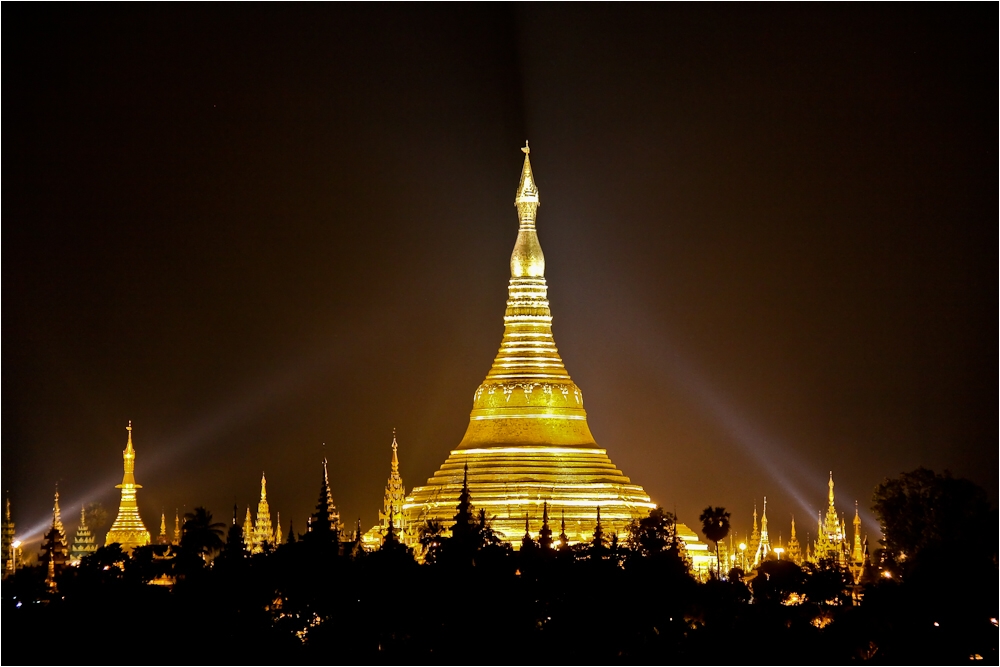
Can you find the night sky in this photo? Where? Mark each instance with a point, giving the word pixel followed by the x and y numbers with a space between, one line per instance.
pixel 770 237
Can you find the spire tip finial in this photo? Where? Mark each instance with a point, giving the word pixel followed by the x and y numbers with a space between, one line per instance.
pixel 526 150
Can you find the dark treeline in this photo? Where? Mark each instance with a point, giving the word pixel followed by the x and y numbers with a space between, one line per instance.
pixel 930 597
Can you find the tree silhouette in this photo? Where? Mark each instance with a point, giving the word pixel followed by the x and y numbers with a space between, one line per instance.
pixel 715 526
pixel 487 536
pixel 919 510
pixel 200 535
pixel 431 539
pixel 653 534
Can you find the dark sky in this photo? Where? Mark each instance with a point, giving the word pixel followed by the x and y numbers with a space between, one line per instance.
pixel 770 236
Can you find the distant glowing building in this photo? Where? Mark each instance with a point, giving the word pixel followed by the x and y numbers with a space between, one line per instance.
pixel 833 545
pixel 128 529
pixel 794 549
pixel 9 550
pixel 831 539
pixel 763 548
pixel 392 509
pixel 263 531
pixel 84 543
pixel 528 442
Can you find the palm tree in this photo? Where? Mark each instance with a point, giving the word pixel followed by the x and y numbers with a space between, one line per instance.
pixel 431 539
pixel 200 534
pixel 715 526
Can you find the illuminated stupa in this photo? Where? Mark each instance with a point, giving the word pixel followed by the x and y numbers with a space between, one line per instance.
pixel 528 442
pixel 128 529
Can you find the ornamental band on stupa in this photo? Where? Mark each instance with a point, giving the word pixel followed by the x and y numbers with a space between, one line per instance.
pixel 528 441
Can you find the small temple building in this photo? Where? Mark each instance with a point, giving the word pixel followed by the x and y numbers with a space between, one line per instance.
pixel 528 444
pixel 84 543
pixel 392 509
pixel 128 529
pixel 263 530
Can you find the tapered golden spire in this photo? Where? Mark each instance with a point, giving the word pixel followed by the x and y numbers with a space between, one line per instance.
pixel 528 442
pixel 527 397
pixel 128 529
pixel 527 260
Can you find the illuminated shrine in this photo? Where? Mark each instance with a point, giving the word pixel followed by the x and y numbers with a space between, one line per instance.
pixel 128 529
pixel 528 442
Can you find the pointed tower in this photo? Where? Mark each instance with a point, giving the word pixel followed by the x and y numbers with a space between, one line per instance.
pixel 248 531
pixel 263 531
pixel 857 554
pixel 177 527
pixel 545 533
pixel 528 435
pixel 84 543
pixel 764 546
pixel 754 543
pixel 57 515
pixel 128 529
pixel 55 551
pixel 9 558
pixel 163 537
pixel 463 526
pixel 277 530
pixel 563 538
pixel 392 502
pixel 598 539
pixel 831 542
pixel 324 524
pixel 794 548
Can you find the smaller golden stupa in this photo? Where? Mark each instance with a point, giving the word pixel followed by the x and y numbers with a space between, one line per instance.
pixel 128 529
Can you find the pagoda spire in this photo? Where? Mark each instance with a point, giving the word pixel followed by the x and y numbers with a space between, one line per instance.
pixel 163 538
pixel 528 427
pixel 83 542
pixel 794 549
pixel 128 529
pixel 598 540
pixel 248 531
pixel 857 555
pixel 177 526
pixel 263 532
pixel 8 549
pixel 395 493
pixel 57 515
pixel 528 377
pixel 324 523
pixel 764 547
pixel 545 533
pixel 277 530
pixel 563 538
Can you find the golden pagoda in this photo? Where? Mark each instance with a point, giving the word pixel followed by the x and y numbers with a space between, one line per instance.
pixel 528 442
pixel 392 509
pixel 263 532
pixel 248 531
pixel 128 529
pixel 83 543
pixel 764 542
pixel 794 549
pixel 9 540
pixel 831 538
